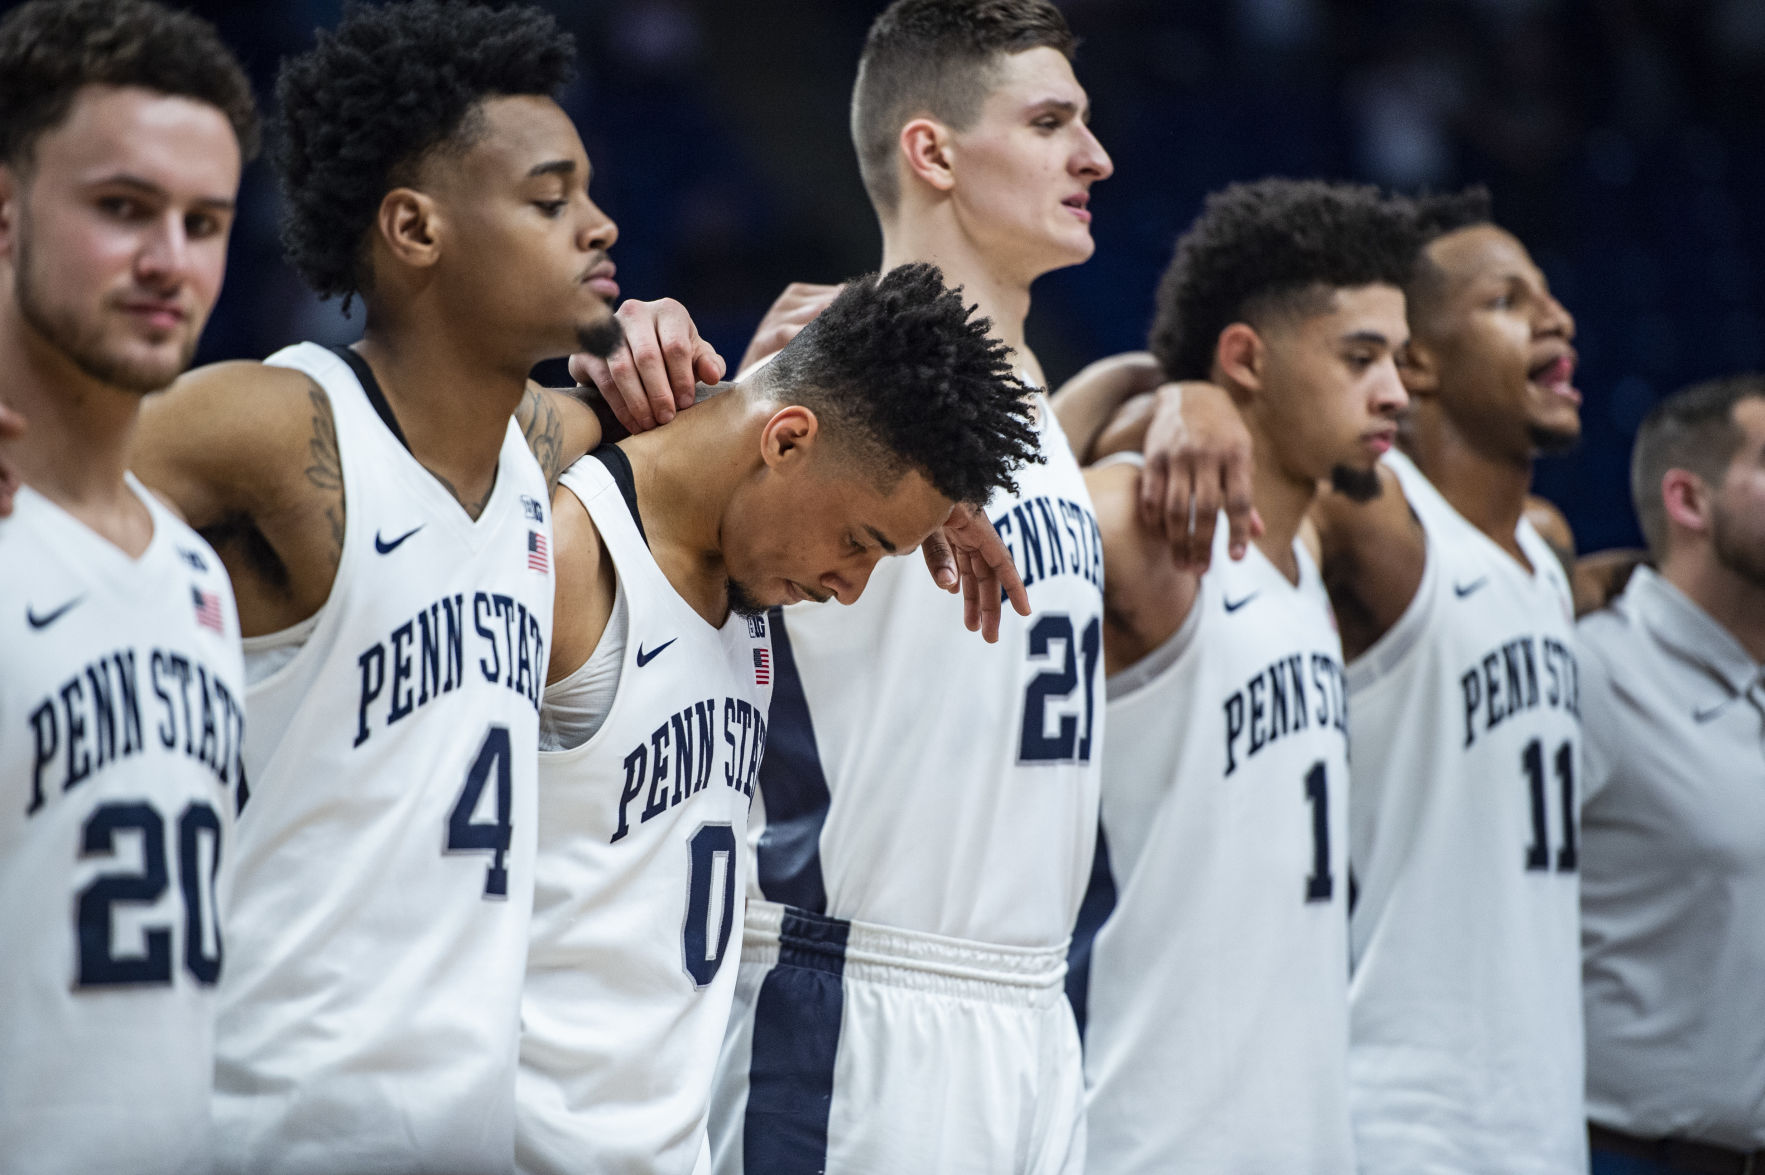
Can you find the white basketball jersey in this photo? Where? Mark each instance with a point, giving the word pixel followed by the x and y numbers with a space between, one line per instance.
pixel 1216 1036
pixel 379 913
pixel 638 897
pixel 920 778
pixel 121 726
pixel 1465 1003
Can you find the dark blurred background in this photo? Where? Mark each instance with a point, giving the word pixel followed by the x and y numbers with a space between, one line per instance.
pixel 1624 142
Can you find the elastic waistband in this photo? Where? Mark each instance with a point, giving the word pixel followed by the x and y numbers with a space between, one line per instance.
pixel 872 953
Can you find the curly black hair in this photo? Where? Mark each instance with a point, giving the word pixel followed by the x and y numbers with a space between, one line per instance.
pixel 1436 214
pixel 935 56
pixel 902 375
pixel 363 106
pixel 1268 247
pixel 50 49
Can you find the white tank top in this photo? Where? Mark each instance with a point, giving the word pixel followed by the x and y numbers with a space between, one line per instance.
pixel 921 778
pixel 1465 1002
pixel 642 850
pixel 121 726
pixel 1216 1036
pixel 385 866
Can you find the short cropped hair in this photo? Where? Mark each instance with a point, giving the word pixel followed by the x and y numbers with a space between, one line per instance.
pixel 363 108
pixel 1693 429
pixel 51 49
pixel 936 57
pixel 1436 215
pixel 902 376
pixel 1276 246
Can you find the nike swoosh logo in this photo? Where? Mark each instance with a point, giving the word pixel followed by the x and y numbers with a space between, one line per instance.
pixel 49 618
pixel 386 548
pixel 644 658
pixel 1234 605
pixel 1709 712
pixel 1461 590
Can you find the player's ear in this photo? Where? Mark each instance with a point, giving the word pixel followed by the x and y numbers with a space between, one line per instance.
pixel 1239 356
pixel 1685 497
pixel 789 437
pixel 1419 368
pixel 409 226
pixel 926 152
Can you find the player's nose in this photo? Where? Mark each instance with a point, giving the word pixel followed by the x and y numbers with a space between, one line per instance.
pixel 1091 160
pixel 1554 318
pixel 1390 397
pixel 848 583
pixel 598 229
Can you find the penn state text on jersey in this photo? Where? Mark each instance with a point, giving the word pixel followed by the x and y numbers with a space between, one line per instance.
pixel 681 751
pixel 94 718
pixel 1505 682
pixel 431 647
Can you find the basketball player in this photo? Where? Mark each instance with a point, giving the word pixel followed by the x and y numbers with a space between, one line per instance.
pixel 385 525
pixel 926 827
pixel 1217 1030
pixel 853 444
pixel 1673 842
pixel 123 126
pixel 1465 1022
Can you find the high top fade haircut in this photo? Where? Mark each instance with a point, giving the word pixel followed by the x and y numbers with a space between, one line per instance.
pixel 937 57
pixel 1436 214
pixel 1272 248
pixel 1694 430
pixel 901 375
pixel 371 100
pixel 51 49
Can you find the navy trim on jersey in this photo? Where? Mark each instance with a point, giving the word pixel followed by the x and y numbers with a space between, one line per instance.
pixel 793 788
pixel 364 375
pixel 1094 911
pixel 797 1019
pixel 619 468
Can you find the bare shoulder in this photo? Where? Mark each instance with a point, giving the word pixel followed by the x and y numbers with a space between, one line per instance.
pixel 585 585
pixel 558 426
pixel 223 437
pixel 1146 596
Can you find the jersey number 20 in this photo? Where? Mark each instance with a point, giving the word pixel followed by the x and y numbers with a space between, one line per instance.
pixel 95 908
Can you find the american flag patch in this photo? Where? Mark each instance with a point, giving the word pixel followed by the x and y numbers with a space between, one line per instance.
pixel 208 608
pixel 762 667
pixel 536 559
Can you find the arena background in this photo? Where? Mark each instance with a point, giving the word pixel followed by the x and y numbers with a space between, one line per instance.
pixel 1624 141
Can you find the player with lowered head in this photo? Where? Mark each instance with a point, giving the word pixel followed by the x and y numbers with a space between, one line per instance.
pixel 853 444
pixel 925 827
pixel 1216 1011
pixel 123 126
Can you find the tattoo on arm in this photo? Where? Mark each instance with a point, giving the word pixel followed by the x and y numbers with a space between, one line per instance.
pixel 326 469
pixel 545 435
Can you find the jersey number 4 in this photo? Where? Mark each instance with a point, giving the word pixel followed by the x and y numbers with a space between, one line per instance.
pixel 95 909
pixel 466 833
pixel 1051 639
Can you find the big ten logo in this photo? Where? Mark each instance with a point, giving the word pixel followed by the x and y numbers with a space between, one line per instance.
pixel 757 627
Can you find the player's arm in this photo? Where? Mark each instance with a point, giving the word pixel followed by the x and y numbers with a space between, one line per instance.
pixel 559 429
pixel 248 455
pixel 1087 403
pixel 1553 528
pixel 1146 595
pixel 789 313
pixel 1599 576
pixel 1373 554
pixel 583 589
pixel 1197 459
pixel 12 426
